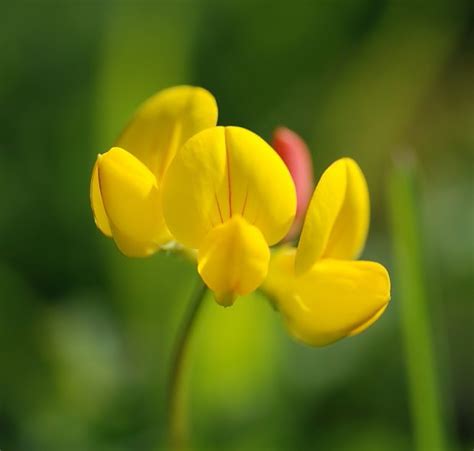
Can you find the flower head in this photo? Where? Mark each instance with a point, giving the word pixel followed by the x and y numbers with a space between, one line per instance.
pixel 322 293
pixel 229 195
pixel 126 180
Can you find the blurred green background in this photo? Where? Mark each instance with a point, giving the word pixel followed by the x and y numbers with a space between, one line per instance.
pixel 86 334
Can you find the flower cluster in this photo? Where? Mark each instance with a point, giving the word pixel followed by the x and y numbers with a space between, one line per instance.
pixel 174 176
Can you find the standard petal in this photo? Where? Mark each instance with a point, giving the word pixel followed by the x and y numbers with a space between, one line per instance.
pixel 132 202
pixel 98 210
pixel 233 259
pixel 221 172
pixel 349 233
pixel 337 219
pixel 262 188
pixel 164 122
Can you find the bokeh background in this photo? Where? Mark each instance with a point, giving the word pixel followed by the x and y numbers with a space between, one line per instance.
pixel 86 334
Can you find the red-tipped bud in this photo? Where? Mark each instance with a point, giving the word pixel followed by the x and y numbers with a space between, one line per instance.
pixel 294 152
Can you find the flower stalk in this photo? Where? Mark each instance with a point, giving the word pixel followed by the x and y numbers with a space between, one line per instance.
pixel 176 403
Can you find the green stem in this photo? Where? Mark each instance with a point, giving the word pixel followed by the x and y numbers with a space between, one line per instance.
pixel 416 328
pixel 177 421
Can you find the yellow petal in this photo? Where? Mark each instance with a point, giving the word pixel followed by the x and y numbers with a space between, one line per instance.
pixel 332 300
pixel 368 323
pixel 280 280
pixel 132 247
pixel 233 259
pixel 221 172
pixel 132 203
pixel 337 219
pixel 164 122
pixel 100 216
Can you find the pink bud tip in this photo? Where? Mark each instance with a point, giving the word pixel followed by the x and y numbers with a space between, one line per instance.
pixel 295 154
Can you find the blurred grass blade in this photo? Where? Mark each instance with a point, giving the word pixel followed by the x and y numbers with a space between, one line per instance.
pixel 426 406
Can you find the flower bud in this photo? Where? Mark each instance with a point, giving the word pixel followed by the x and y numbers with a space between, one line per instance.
pixel 297 158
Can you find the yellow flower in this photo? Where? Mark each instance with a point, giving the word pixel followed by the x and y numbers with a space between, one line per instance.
pixel 322 293
pixel 223 191
pixel 126 180
pixel 229 195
